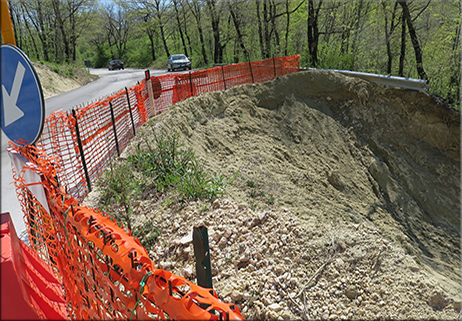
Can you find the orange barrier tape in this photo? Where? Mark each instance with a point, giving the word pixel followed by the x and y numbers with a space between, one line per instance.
pixel 106 273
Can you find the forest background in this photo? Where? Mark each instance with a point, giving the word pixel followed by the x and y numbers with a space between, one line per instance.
pixel 416 39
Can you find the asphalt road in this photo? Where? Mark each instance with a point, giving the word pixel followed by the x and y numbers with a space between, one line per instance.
pixel 109 82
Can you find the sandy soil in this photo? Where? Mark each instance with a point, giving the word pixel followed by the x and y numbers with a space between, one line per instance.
pixel 346 205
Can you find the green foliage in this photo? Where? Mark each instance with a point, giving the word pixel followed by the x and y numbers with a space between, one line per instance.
pixel 177 170
pixel 119 184
pixel 102 57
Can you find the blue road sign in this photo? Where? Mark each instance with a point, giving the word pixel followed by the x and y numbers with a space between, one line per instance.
pixel 23 107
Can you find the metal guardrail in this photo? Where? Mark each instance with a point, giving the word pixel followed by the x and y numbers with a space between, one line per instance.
pixel 411 83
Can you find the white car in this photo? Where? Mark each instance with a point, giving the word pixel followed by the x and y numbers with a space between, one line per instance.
pixel 180 61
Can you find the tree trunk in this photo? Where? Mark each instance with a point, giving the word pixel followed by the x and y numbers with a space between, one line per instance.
pixel 42 33
pixel 402 54
pixel 313 31
pixel 388 33
pixel 239 33
pixel 180 29
pixel 195 10
pixel 150 34
pixel 218 47
pixel 260 30
pixel 414 39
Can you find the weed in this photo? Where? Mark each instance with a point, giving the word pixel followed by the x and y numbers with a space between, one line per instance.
pixel 119 183
pixel 270 200
pixel 168 202
pixel 203 208
pixel 250 184
pixel 177 170
pixel 253 193
pixel 56 70
pixel 70 72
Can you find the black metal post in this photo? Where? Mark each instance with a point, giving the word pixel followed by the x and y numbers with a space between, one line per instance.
pixel 82 155
pixel 114 127
pixel 251 73
pixel 191 84
pixel 274 67
pixel 223 73
pixel 202 253
pixel 130 110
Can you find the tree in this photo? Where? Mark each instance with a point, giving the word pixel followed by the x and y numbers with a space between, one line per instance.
pixel 196 10
pixel 414 39
pixel 313 31
pixel 118 28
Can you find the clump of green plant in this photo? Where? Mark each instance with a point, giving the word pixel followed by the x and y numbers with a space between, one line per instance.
pixel 119 183
pixel 147 234
pixel 250 184
pixel 177 170
pixel 70 72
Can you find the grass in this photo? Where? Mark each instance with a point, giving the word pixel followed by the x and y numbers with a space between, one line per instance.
pixel 119 184
pixel 176 170
pixel 163 165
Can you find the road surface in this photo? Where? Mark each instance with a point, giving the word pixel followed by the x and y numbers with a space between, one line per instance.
pixel 109 82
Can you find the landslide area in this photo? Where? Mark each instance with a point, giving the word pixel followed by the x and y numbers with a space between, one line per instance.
pixel 346 204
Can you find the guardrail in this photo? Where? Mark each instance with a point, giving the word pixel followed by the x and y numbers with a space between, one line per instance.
pixel 403 82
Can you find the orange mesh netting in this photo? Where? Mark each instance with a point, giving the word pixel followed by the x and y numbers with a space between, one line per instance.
pixel 88 138
pixel 105 271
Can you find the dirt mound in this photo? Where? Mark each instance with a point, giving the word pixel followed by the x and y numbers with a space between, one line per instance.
pixel 368 177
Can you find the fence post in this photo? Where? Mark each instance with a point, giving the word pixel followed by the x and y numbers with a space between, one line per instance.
pixel 114 127
pixel 149 89
pixel 251 73
pixel 82 155
pixel 130 110
pixel 190 84
pixel 274 67
pixel 202 253
pixel 223 73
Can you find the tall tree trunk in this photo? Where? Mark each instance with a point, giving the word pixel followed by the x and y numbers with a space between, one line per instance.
pixel 267 37
pixel 218 47
pixel 196 11
pixel 239 33
pixel 286 39
pixel 42 33
pixel 402 55
pixel 313 31
pixel 180 29
pixel 260 29
pixel 414 40
pixel 388 33
pixel 150 34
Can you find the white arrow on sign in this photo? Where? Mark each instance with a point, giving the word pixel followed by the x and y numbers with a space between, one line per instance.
pixel 11 112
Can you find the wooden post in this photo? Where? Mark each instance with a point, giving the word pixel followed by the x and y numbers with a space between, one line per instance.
pixel 115 129
pixel 82 154
pixel 149 89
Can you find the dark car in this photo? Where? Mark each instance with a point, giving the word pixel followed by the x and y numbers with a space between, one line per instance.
pixel 178 62
pixel 116 64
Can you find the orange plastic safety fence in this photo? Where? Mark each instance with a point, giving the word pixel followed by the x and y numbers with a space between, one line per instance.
pixel 105 271
pixel 86 140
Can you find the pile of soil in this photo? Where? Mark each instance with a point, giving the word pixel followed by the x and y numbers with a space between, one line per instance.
pixel 346 204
